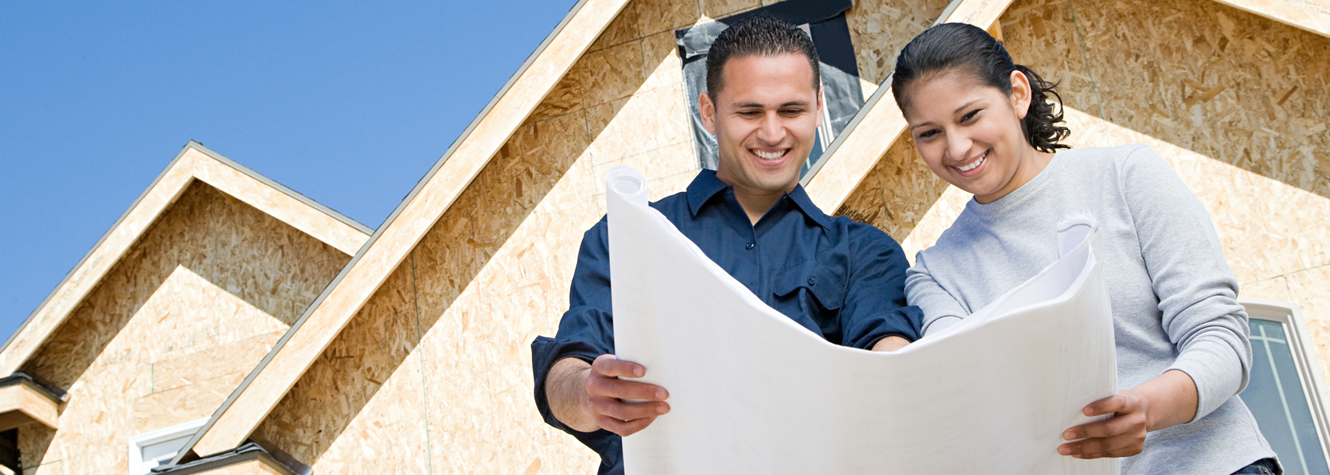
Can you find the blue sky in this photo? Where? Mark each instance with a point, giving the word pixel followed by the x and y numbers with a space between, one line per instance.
pixel 348 103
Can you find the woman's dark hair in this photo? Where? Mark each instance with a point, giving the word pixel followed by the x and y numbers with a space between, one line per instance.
pixel 950 46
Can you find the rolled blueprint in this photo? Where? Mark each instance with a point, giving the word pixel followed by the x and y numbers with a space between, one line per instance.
pixel 751 391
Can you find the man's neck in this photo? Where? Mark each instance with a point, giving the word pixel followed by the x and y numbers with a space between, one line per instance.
pixel 756 203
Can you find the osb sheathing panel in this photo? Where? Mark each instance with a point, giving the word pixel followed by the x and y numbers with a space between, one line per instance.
pixel 194 164
pixel 1273 234
pixel 1267 228
pixel 880 29
pixel 171 407
pixel 476 353
pixel 389 435
pixel 249 467
pixel 212 363
pixel 190 300
pixel 854 156
pixel 413 220
pixel 485 287
pixel 1310 15
pixel 277 203
pixel 348 374
pixel 539 191
pixel 896 193
pixel 1231 85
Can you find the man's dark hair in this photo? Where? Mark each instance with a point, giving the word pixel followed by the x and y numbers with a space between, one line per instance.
pixel 758 36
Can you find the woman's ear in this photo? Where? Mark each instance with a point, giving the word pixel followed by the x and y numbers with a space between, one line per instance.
pixel 1020 94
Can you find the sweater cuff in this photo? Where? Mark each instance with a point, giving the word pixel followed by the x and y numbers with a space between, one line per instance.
pixel 940 323
pixel 1216 370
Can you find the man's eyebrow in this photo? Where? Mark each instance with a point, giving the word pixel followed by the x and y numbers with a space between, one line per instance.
pixel 748 105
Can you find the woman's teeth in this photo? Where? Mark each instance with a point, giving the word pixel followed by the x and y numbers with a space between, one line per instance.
pixel 769 155
pixel 974 164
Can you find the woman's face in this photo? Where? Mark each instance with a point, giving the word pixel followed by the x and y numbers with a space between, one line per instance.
pixel 970 134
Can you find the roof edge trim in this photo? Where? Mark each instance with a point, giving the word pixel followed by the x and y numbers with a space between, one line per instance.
pixel 387 223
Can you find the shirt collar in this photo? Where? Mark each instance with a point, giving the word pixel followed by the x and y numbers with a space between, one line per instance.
pixel 706 186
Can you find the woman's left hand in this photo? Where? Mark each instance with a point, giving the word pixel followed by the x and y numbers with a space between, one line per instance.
pixel 1121 435
pixel 1165 401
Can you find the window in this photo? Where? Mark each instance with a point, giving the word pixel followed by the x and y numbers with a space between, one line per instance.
pixel 1285 391
pixel 824 21
pixel 158 447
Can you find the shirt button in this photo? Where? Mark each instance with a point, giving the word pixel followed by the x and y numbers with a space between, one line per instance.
pixel 750 246
pixel 812 281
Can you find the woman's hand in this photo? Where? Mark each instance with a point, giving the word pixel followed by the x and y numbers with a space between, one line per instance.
pixel 1122 435
pixel 1165 401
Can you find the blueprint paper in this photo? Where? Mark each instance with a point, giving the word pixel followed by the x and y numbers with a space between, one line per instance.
pixel 753 392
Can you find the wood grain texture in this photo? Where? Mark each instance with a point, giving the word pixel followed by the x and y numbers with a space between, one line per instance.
pixel 414 219
pixel 23 404
pixel 1227 84
pixel 1310 15
pixel 194 164
pixel 174 326
pixel 848 163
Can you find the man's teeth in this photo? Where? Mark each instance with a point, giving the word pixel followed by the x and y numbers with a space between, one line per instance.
pixel 768 155
pixel 974 164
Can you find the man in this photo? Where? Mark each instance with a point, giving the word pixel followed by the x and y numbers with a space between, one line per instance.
pixel 842 280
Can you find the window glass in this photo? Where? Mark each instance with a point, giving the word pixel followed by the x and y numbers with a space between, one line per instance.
pixel 1276 396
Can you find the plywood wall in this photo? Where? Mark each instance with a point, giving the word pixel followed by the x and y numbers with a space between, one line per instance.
pixel 1231 85
pixel 1237 104
pixel 173 328
pixel 880 29
pixel 1247 92
pixel 434 375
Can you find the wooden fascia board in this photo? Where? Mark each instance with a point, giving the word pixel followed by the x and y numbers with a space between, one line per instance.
pixel 24 403
pixel 1310 15
pixel 194 162
pixel 104 255
pixel 277 201
pixel 232 423
pixel 853 155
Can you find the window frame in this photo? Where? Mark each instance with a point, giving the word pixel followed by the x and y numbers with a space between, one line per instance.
pixel 139 442
pixel 1304 354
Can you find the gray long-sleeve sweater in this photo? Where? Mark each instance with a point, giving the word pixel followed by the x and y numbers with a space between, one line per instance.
pixel 1172 293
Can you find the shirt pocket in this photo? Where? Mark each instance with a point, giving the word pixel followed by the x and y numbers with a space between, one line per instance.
pixel 815 280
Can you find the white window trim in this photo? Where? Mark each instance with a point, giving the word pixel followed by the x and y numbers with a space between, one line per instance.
pixel 1304 357
pixel 138 442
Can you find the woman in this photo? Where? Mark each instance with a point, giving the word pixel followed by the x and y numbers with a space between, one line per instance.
pixel 987 126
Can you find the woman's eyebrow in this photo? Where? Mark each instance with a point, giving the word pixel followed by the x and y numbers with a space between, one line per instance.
pixel 966 105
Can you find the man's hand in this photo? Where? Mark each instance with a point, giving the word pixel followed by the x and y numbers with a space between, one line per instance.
pixel 590 397
pixel 1165 401
pixel 891 343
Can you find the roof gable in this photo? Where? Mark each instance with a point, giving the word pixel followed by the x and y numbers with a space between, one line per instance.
pixel 194 163
pixel 391 243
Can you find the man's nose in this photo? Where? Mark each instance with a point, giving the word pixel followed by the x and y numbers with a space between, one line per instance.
pixel 772 130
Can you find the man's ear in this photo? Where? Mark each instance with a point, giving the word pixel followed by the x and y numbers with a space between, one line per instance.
pixel 707 110
pixel 1020 94
pixel 821 103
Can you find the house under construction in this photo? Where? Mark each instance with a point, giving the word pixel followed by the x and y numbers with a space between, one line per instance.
pixel 227 325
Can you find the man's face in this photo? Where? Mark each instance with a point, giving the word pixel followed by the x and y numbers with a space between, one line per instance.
pixel 765 118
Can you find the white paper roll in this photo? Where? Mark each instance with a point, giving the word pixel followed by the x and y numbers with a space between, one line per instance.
pixel 628 183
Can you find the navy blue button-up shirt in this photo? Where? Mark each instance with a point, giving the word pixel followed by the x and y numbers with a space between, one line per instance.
pixel 842 280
